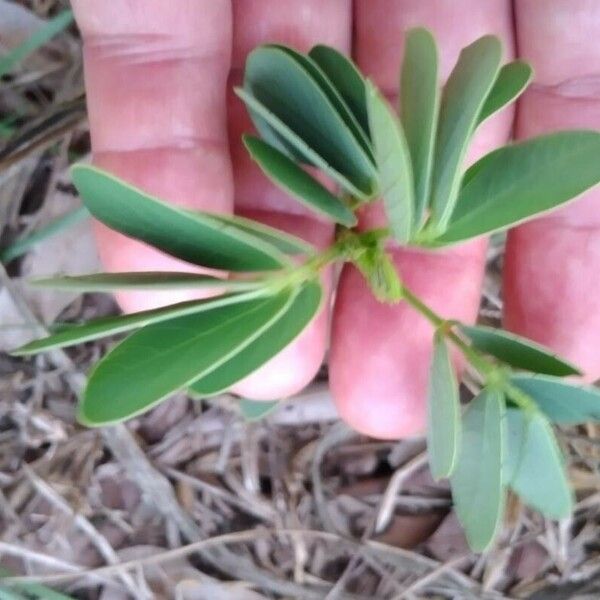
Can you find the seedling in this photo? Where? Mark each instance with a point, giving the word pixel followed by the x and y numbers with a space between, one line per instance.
pixel 317 109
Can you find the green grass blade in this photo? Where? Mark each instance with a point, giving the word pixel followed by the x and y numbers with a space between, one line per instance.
pixel 477 488
pixel 394 169
pixel 49 30
pixel 519 182
pixel 462 100
pixel 512 81
pixel 30 591
pixel 26 591
pixel 294 180
pixel 291 323
pixel 419 108
pixel 69 335
pixel 534 466
pixel 145 280
pixel 443 434
pixel 347 79
pixel 191 236
pixel 254 410
pixel 164 357
pixel 518 351
pixel 562 402
pixel 53 228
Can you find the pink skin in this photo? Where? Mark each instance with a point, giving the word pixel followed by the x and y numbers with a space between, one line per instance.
pixel 552 266
pixel 163 117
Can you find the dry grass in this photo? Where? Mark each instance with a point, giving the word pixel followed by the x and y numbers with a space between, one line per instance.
pixel 189 501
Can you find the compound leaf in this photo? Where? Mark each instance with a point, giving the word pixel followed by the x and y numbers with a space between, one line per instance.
pixel 477 487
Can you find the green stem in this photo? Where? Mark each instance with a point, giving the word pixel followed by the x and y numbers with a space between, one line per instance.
pixel 486 369
pixel 491 374
pixel 349 247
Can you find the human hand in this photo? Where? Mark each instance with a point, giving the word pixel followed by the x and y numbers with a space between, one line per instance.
pixel 159 93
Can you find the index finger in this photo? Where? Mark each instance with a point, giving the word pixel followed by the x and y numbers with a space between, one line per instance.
pixel 156 76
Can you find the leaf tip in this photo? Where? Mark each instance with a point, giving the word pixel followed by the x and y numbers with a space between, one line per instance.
pixel 19 352
pixel 421 32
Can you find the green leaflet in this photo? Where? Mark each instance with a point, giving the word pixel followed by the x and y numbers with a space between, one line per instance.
pixel 194 237
pixel 346 79
pixel 164 357
pixel 284 242
pixel 534 466
pixel 394 170
pixel 462 100
pixel 560 401
pixel 477 480
pixel 515 183
pixel 518 351
pixel 143 280
pixel 311 67
pixel 443 435
pixel 282 332
pixel 294 180
pixel 306 153
pixel 419 108
pixel 287 90
pixel 511 82
pixel 69 335
pixel 42 36
pixel 253 410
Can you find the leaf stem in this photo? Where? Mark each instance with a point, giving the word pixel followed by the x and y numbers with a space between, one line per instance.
pixel 486 368
pixel 491 374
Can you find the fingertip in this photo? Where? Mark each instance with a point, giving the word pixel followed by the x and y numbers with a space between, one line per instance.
pixel 381 354
pixel 292 369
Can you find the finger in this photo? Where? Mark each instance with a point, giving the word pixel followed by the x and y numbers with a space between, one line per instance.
pixel 380 354
pixel 552 265
pixel 301 25
pixel 156 77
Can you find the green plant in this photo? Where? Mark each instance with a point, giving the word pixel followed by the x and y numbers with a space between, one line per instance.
pixel 42 36
pixel 318 110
